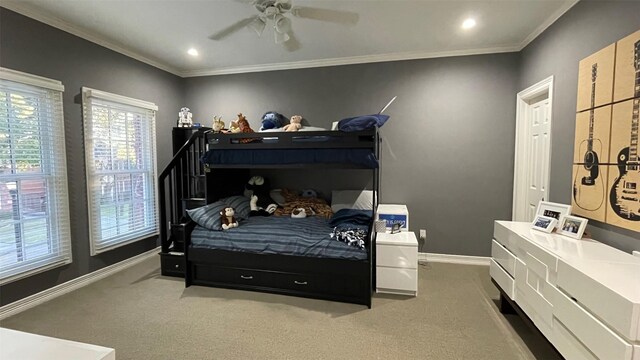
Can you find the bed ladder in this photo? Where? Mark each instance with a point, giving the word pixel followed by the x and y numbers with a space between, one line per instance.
pixel 181 186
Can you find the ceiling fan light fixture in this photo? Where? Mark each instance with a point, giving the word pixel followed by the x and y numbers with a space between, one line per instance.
pixel 282 24
pixel 258 25
pixel 281 37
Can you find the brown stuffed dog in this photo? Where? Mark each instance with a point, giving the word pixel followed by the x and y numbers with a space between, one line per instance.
pixel 227 218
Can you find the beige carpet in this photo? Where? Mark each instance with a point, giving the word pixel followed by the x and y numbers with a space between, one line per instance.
pixel 147 316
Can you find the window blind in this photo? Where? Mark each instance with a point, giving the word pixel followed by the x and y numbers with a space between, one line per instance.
pixel 34 204
pixel 120 154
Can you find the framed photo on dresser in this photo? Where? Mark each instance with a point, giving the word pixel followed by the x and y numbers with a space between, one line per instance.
pixel 553 210
pixel 573 226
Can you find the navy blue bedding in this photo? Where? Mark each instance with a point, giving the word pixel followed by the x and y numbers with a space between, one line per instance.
pixel 362 157
pixel 279 235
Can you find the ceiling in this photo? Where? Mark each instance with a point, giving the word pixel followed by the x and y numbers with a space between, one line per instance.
pixel 159 32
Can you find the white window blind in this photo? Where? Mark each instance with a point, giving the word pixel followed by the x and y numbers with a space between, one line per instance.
pixel 120 151
pixel 34 203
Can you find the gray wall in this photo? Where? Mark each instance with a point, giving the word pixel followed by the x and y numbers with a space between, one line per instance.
pixel 448 147
pixel 586 28
pixel 33 47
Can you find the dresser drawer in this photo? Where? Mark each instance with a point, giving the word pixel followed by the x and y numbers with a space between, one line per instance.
pixel 499 275
pixel 397 256
pixel 506 237
pixel 543 257
pixel 567 344
pixel 396 280
pixel 504 257
pixel 172 265
pixel 614 309
pixel 595 335
pixel 530 298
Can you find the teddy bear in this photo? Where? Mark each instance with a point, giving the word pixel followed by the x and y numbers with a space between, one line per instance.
pixel 234 126
pixel 295 123
pixel 257 189
pixel 228 219
pixel 218 124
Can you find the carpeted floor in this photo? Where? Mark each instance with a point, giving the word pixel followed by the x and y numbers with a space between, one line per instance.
pixel 147 316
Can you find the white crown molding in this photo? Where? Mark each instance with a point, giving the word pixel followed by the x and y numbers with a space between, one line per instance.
pixel 364 59
pixel 566 5
pixel 43 17
pixel 73 284
pixel 34 13
pixel 454 259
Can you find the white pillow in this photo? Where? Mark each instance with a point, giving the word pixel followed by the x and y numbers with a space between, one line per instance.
pixel 351 199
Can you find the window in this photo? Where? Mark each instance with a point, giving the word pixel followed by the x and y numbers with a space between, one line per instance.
pixel 34 203
pixel 120 152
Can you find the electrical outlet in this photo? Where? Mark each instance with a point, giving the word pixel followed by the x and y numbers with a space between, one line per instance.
pixel 423 234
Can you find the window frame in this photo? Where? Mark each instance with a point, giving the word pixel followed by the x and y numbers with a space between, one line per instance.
pixel 87 95
pixel 60 171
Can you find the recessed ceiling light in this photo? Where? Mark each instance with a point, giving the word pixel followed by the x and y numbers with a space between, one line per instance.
pixel 192 52
pixel 468 24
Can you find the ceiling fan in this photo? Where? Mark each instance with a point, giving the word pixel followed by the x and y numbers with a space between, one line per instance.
pixel 275 13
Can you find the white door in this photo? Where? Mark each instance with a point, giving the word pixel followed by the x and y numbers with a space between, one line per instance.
pixel 538 165
pixel 533 149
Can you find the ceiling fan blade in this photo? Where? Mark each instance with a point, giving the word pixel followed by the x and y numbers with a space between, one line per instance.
pixel 233 28
pixel 334 16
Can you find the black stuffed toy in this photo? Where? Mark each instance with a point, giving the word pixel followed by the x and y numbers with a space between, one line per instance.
pixel 257 188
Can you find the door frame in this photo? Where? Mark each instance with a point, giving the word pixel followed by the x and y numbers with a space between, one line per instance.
pixel 520 170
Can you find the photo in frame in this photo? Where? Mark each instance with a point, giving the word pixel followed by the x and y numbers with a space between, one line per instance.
pixel 554 210
pixel 544 223
pixel 573 226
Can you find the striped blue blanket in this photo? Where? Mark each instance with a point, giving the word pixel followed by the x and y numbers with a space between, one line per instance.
pixel 279 235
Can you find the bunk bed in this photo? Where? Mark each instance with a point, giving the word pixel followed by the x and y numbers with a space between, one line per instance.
pixel 252 257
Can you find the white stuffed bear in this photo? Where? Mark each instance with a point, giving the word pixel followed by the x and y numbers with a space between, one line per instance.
pixel 295 123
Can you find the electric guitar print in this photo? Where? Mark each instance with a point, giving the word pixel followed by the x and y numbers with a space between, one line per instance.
pixel 588 185
pixel 624 196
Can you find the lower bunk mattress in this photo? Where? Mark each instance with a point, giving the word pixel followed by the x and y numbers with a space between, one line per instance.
pixel 280 235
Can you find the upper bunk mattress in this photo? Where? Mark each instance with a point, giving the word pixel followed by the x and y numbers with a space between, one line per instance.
pixel 281 235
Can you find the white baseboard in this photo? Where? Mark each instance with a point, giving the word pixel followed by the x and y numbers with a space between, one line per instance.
pixel 454 259
pixel 636 253
pixel 73 284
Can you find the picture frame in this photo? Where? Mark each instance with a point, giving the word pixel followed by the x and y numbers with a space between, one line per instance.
pixel 573 226
pixel 554 210
pixel 544 223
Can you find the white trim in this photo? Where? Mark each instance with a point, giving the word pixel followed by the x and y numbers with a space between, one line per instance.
pixel 30 79
pixel 636 253
pixel 454 259
pixel 71 285
pixel 519 171
pixel 46 18
pixel 364 59
pixel 568 4
pixel 99 94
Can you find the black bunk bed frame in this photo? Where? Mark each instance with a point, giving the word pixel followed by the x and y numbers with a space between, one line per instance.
pixel 341 280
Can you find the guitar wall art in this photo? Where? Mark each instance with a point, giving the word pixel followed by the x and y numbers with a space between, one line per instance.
pixel 606 164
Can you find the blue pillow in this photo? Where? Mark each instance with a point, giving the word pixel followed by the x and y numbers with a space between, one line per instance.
pixel 360 123
pixel 351 216
pixel 241 204
pixel 208 216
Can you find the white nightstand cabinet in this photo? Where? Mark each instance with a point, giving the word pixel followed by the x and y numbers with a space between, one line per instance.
pixel 584 296
pixel 397 263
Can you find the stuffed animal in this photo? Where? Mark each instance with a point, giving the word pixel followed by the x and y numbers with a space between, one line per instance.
pixel 309 193
pixel 218 124
pixel 185 118
pixel 299 213
pixel 244 126
pixel 272 120
pixel 227 218
pixel 295 124
pixel 257 188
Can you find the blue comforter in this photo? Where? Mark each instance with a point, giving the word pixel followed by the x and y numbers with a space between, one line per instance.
pixel 279 235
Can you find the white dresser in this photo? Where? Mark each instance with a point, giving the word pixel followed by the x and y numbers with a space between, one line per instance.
pixel 584 296
pixel 397 263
